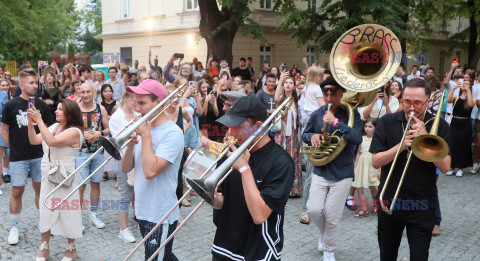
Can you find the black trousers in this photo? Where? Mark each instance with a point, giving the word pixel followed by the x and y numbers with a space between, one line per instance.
pixel 154 242
pixel 419 224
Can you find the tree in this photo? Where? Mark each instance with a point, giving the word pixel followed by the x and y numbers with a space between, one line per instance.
pixel 90 27
pixel 219 22
pixel 30 29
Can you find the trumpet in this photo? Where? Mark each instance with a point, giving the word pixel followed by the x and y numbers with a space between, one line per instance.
pixel 427 147
pixel 205 187
pixel 114 145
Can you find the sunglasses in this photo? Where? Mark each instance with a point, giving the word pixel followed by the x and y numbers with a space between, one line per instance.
pixel 416 104
pixel 333 91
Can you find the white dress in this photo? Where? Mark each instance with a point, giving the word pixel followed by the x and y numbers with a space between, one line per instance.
pixel 365 174
pixel 66 220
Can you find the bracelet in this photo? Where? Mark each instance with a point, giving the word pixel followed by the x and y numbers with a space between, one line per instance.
pixel 206 143
pixel 242 169
pixel 335 122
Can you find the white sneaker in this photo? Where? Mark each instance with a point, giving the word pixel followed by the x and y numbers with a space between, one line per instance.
pixel 94 220
pixel 474 168
pixel 126 235
pixel 1 192
pixel 13 236
pixel 449 173
pixel 328 256
pixel 320 244
pixel 83 229
pixel 459 173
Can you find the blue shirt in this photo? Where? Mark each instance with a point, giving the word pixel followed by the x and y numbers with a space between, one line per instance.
pixel 155 197
pixel 342 166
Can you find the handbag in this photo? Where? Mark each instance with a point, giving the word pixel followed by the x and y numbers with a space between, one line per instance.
pixel 449 117
pixel 57 173
pixel 131 178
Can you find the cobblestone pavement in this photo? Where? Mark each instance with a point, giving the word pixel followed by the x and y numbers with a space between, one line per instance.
pixel 460 238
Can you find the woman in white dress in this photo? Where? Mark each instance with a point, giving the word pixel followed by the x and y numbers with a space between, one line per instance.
pixel 61 142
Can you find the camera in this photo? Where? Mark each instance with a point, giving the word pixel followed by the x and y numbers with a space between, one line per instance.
pixel 178 55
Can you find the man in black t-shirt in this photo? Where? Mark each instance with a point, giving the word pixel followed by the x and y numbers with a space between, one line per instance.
pixel 250 203
pixel 24 158
pixel 242 70
pixel 418 198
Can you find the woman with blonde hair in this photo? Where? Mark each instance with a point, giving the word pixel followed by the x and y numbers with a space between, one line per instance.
pixel 121 117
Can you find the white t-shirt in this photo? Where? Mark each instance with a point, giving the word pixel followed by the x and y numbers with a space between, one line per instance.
pixel 312 92
pixel 155 197
pixel 452 85
pixel 476 95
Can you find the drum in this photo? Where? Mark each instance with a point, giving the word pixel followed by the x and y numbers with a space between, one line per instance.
pixel 199 161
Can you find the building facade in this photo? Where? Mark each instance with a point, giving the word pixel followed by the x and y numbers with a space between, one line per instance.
pixel 132 29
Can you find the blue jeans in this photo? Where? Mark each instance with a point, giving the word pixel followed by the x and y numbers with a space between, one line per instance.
pixel 89 167
pixel 19 171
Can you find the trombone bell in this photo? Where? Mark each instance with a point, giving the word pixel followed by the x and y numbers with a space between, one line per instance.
pixel 204 189
pixel 429 148
pixel 111 147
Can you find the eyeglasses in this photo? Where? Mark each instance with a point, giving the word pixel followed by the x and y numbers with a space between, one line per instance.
pixel 416 104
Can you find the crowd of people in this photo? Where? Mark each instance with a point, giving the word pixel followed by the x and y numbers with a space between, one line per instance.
pixel 52 122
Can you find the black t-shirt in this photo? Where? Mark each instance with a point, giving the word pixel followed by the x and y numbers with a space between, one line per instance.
pixel 109 106
pixel 15 116
pixel 267 99
pixel 419 185
pixel 237 236
pixel 245 73
pixel 215 129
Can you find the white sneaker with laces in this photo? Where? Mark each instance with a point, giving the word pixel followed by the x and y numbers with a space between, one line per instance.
pixel 449 173
pixel 474 168
pixel 94 220
pixel 320 244
pixel 328 256
pixel 126 235
pixel 13 236
pixel 459 173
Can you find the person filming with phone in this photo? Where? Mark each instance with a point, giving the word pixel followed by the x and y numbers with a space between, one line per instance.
pixel 186 70
pixel 383 104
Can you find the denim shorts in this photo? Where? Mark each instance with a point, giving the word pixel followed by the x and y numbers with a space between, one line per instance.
pixel 89 167
pixel 20 170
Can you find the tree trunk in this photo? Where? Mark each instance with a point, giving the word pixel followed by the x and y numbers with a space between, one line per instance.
pixel 403 41
pixel 220 40
pixel 472 42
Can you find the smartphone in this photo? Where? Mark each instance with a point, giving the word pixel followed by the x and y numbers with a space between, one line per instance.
pixel 192 84
pixel 31 102
pixel 455 60
pixel 284 67
pixel 178 55
pixel 304 59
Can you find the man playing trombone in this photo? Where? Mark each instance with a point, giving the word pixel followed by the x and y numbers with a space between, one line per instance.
pixel 155 155
pixel 417 198
pixel 250 203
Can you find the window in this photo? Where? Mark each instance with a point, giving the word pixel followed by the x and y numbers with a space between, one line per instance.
pixel 267 5
pixel 125 9
pixel 311 55
pixel 191 5
pixel 265 55
pixel 126 55
pixel 312 4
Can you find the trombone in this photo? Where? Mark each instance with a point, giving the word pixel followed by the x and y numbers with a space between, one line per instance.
pixel 427 147
pixel 114 145
pixel 205 187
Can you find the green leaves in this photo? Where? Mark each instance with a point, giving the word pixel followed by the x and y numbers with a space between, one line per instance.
pixel 31 29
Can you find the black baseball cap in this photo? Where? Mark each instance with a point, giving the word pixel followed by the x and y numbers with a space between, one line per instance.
pixel 330 81
pixel 247 107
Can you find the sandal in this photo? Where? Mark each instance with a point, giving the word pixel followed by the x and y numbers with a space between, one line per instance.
pixel 361 213
pixel 70 247
pixel 304 218
pixel 374 212
pixel 44 246
pixel 186 203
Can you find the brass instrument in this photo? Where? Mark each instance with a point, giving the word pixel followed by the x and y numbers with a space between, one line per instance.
pixel 427 147
pixel 206 184
pixel 362 60
pixel 114 145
